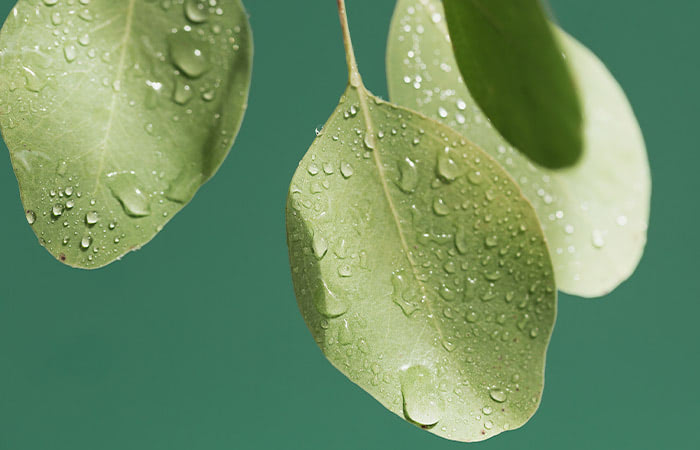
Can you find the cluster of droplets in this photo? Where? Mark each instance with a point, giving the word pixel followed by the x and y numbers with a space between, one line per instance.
pixel 473 272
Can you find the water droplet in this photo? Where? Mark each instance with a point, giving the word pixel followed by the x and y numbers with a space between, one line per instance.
pixel 70 53
pixel 403 295
pixel 472 317
pixel 408 174
pixel 84 40
pixel 597 239
pixel 184 186
pixel 319 246
pixel 498 395
pixel 182 92
pixel 439 207
pixel 57 210
pixel 346 169
pixel 125 189
pixel 188 55
pixel 491 241
pixel 447 167
pixel 31 217
pixel 196 11
pixel 345 271
pixel 91 218
pixel 85 242
pixel 70 204
pixel 422 403
pixel 33 82
pixel 327 302
pixel 50 2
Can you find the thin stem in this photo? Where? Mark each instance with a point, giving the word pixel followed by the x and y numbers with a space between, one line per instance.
pixel 353 72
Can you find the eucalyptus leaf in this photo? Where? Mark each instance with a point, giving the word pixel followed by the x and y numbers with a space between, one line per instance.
pixel 420 269
pixel 594 214
pixel 116 112
pixel 512 63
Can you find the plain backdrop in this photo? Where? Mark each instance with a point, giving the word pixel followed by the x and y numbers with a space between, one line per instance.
pixel 195 342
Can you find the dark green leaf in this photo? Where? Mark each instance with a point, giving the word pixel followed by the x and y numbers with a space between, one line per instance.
pixel 514 68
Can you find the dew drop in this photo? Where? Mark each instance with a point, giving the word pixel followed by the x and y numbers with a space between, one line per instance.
pixel 498 395
pixel 346 169
pixel 188 55
pixel 31 217
pixel 408 175
pixel 196 11
pixel 70 53
pixel 327 302
pixel 57 210
pixel 182 93
pixel 440 208
pixel 92 218
pixel 125 189
pixel 422 403
pixel 85 241
pixel 447 167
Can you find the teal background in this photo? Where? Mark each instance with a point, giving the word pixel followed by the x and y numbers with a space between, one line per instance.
pixel 195 342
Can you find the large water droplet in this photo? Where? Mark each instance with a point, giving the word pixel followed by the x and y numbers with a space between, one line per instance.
pixel 183 188
pixel 422 403
pixel 440 208
pixel 31 217
pixel 498 395
pixel 447 167
pixel 408 175
pixel 196 11
pixel 403 295
pixel 125 189
pixel 327 302
pixel 92 218
pixel 188 55
pixel 182 93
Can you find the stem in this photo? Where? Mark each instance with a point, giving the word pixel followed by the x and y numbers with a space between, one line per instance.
pixel 353 72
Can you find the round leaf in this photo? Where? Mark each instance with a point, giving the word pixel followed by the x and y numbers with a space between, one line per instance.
pixel 116 112
pixel 594 214
pixel 421 270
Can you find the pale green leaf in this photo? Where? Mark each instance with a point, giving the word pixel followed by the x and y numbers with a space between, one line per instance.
pixel 513 65
pixel 594 214
pixel 420 269
pixel 116 112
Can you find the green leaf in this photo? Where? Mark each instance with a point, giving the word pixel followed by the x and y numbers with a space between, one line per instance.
pixel 595 214
pixel 510 59
pixel 420 269
pixel 116 112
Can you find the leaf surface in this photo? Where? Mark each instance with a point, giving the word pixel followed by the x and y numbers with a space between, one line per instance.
pixel 421 270
pixel 512 63
pixel 594 214
pixel 116 112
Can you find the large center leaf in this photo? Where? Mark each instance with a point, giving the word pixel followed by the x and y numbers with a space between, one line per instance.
pixel 595 214
pixel 421 270
pixel 116 111
pixel 513 65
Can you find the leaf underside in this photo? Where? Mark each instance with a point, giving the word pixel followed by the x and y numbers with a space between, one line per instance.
pixel 420 270
pixel 594 214
pixel 512 63
pixel 116 112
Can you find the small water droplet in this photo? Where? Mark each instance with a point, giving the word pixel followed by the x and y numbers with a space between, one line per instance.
pixel 57 210
pixel 31 217
pixel 447 167
pixel 70 53
pixel 597 239
pixel 85 242
pixel 92 218
pixel 439 207
pixel 346 169
pixel 182 93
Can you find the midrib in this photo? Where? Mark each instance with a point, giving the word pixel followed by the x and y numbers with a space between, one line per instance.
pixel 364 106
pixel 113 105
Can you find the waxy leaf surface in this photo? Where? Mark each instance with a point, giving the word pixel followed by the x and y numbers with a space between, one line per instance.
pixel 421 270
pixel 594 214
pixel 513 65
pixel 115 113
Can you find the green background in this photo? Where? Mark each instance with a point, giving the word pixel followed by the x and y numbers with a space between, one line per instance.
pixel 195 342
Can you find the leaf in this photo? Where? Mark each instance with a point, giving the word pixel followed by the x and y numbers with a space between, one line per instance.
pixel 116 112
pixel 595 214
pixel 510 59
pixel 420 269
